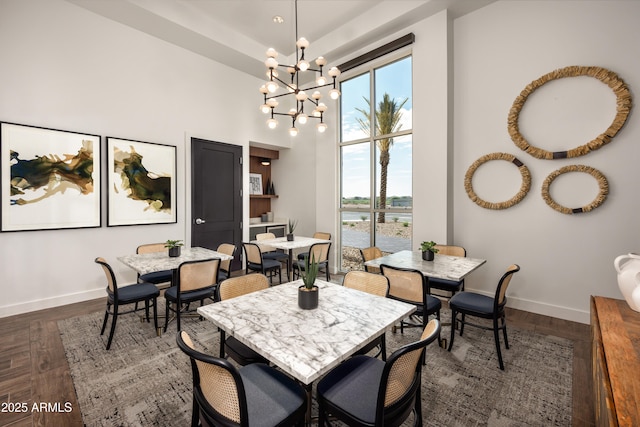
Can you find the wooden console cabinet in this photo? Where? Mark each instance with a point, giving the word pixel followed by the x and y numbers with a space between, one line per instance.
pixel 615 335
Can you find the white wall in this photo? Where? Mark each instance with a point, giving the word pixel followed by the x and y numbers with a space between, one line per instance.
pixel 64 67
pixel 498 50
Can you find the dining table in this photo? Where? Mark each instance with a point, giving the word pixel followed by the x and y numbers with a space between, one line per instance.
pixel 446 267
pixel 298 242
pixel 160 261
pixel 306 344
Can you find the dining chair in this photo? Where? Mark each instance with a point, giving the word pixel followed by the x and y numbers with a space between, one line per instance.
pixel 256 262
pixel 163 277
pixel 196 281
pixel 231 288
pixel 319 252
pixel 366 391
pixel 451 286
pixel 368 254
pixel 123 295
pixel 252 395
pixel 410 286
pixel 485 307
pixel 317 235
pixel 375 284
pixel 224 272
pixel 269 252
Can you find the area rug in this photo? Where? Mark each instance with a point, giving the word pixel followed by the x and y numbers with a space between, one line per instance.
pixel 145 380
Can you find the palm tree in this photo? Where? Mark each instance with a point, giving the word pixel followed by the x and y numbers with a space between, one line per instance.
pixel 388 117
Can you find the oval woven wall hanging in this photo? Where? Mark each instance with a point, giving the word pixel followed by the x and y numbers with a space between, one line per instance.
pixel 611 79
pixel 602 183
pixel 524 188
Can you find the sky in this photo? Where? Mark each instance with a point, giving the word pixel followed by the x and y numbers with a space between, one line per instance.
pixel 395 79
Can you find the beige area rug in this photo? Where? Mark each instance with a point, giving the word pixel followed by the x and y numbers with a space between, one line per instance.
pixel 145 380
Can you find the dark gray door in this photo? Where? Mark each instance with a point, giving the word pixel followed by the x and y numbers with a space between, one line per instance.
pixel 216 204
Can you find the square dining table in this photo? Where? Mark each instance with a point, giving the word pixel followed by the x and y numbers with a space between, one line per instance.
pixel 306 344
pixel 442 267
pixel 298 242
pixel 159 261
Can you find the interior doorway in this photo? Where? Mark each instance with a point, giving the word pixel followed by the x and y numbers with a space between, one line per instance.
pixel 216 199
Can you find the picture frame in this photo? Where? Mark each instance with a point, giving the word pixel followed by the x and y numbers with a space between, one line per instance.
pixel 255 184
pixel 51 178
pixel 141 183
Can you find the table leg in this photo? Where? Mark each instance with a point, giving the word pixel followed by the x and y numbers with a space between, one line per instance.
pixel 308 388
pixel 290 266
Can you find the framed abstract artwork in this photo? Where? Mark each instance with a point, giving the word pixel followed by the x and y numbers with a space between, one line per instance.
pixel 141 182
pixel 50 178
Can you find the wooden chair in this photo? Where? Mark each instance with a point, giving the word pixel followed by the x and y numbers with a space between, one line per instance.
pixel 318 252
pixel 224 272
pixel 368 392
pixel 196 282
pixel 375 284
pixel 254 261
pixel 317 235
pixel 269 252
pixel 163 277
pixel 443 284
pixel 256 394
pixel 483 306
pixel 231 288
pixel 130 294
pixel 368 254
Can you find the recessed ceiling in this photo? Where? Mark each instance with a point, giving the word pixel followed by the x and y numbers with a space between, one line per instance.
pixel 238 32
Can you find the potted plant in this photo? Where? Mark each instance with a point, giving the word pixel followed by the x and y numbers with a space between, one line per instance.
pixel 308 292
pixel 292 226
pixel 428 250
pixel 174 247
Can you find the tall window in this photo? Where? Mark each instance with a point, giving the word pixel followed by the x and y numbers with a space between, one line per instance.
pixel 376 197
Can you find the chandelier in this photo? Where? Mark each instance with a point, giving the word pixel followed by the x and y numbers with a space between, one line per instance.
pixel 292 87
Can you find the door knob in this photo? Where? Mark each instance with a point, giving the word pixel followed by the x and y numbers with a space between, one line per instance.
pixel 200 221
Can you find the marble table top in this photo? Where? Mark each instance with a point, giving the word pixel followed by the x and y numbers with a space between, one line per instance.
pixel 306 343
pixel 297 242
pixel 159 261
pixel 442 267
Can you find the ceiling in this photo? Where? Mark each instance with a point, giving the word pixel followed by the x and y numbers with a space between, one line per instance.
pixel 238 32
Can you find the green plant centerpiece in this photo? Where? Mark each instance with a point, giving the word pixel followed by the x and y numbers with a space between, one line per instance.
pixel 292 226
pixel 174 247
pixel 308 291
pixel 428 250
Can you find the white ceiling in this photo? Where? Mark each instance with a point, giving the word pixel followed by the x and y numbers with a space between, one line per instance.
pixel 238 32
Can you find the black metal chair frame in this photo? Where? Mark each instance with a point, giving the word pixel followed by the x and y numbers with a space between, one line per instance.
pixel 497 315
pixel 114 302
pixel 202 408
pixel 188 297
pixel 396 413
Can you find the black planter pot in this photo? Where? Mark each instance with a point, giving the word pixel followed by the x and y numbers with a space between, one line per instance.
pixel 308 298
pixel 290 237
pixel 174 252
pixel 427 255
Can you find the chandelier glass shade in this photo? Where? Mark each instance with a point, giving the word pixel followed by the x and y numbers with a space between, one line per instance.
pixel 277 88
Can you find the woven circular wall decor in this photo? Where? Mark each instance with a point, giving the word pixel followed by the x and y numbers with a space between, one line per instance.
pixel 524 188
pixel 602 183
pixel 611 79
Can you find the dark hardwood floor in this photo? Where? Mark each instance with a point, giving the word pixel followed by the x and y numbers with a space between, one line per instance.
pixel 33 367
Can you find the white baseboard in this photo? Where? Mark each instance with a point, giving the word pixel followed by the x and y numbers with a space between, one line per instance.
pixel 41 304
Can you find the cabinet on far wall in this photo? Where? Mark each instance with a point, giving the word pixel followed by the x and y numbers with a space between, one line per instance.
pixel 615 340
pixel 260 204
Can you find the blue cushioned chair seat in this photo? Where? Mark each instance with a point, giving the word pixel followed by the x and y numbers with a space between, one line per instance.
pixel 271 395
pixel 357 375
pixel 476 303
pixel 157 277
pixel 445 285
pixel 137 292
pixel 172 294
pixel 433 304
pixel 239 351
pixel 266 263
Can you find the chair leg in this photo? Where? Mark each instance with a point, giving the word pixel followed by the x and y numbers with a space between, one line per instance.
pixel 195 413
pixel 166 314
pixel 383 347
pixel 146 309
pixel 418 404
pixel 496 335
pixel 178 310
pixel 155 314
pixel 504 332
pixel 453 329
pixel 113 325
pixel 223 338
pixel 106 316
pixel 280 273
pixel 462 319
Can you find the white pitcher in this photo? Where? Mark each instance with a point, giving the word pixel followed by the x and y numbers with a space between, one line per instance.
pixel 629 278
